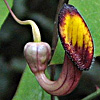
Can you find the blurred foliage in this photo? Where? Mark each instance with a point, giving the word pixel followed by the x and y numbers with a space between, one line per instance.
pixel 9 78
pixel 87 85
pixel 3 11
pixel 13 37
pixel 58 52
pixel 31 87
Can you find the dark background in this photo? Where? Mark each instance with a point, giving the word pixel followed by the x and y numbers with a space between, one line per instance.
pixel 13 37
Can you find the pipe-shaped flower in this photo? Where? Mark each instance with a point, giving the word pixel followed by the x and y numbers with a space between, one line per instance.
pixel 37 56
pixel 38 53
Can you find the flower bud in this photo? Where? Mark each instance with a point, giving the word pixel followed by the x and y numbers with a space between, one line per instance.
pixel 37 55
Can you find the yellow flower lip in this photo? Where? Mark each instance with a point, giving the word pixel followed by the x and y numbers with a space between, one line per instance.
pixel 75 36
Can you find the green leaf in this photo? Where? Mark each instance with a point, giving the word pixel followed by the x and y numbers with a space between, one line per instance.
pixel 89 9
pixel 29 89
pixel 4 11
pixel 58 56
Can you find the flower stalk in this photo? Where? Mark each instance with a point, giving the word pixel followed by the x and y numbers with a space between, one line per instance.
pixel 92 95
pixel 35 29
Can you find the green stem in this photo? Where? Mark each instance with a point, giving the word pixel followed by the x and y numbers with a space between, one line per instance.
pixel 35 29
pixel 93 95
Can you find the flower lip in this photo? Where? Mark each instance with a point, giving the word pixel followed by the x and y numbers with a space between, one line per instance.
pixel 75 37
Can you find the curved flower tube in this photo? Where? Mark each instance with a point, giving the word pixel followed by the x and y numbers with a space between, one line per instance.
pixel 69 76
